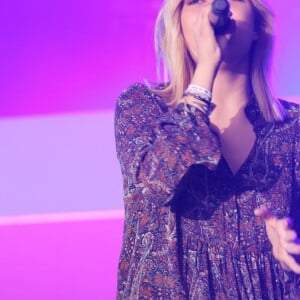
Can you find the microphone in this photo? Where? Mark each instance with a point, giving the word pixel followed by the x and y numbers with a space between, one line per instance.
pixel 219 16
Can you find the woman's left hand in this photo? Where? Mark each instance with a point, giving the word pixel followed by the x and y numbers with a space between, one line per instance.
pixel 283 238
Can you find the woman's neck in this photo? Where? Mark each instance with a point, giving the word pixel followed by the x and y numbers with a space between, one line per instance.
pixel 231 93
pixel 231 90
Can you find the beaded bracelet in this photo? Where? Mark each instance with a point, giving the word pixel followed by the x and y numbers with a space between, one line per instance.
pixel 200 98
pixel 199 91
pixel 207 104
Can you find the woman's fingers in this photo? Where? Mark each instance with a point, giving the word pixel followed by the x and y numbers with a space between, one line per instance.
pixel 283 228
pixel 293 248
pixel 264 213
pixel 284 240
pixel 290 263
pixel 288 237
pixel 267 215
pixel 291 236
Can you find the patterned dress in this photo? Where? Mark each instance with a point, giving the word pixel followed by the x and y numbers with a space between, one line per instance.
pixel 190 231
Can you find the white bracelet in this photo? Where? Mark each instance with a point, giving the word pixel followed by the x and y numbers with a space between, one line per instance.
pixel 199 91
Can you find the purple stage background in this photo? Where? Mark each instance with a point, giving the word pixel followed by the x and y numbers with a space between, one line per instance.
pixel 63 63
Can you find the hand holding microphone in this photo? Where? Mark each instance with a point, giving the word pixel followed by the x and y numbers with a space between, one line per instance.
pixel 220 16
pixel 211 27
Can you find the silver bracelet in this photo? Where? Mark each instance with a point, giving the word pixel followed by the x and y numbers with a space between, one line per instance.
pixel 206 104
pixel 200 91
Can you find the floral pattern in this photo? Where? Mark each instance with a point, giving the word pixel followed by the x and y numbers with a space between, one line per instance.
pixel 190 231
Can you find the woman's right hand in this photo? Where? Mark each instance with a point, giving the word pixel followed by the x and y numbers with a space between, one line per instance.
pixel 207 48
pixel 204 46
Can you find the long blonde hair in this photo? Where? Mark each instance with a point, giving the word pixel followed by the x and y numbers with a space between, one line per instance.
pixel 179 67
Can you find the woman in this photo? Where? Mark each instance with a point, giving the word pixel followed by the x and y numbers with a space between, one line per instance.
pixel 211 165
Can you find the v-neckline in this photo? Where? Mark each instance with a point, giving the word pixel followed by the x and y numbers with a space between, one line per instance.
pixel 246 161
pixel 258 122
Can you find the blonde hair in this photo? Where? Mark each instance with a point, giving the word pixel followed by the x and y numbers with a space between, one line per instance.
pixel 179 67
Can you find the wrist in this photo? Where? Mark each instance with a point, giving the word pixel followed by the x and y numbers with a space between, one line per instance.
pixel 204 75
pixel 195 94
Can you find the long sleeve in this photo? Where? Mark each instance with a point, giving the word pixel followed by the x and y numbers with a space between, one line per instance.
pixel 167 254
pixel 156 145
pixel 295 205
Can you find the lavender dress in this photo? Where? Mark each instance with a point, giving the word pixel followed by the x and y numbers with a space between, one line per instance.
pixel 190 231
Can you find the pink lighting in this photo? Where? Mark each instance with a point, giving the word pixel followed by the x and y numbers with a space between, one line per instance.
pixel 63 65
pixel 61 217
pixel 60 260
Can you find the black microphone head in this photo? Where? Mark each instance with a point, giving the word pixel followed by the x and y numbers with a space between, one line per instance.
pixel 220 7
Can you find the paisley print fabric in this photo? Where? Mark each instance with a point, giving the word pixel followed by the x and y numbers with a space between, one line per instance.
pixel 190 231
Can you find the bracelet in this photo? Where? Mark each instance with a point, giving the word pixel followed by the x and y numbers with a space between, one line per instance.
pixel 207 104
pixel 200 98
pixel 199 91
